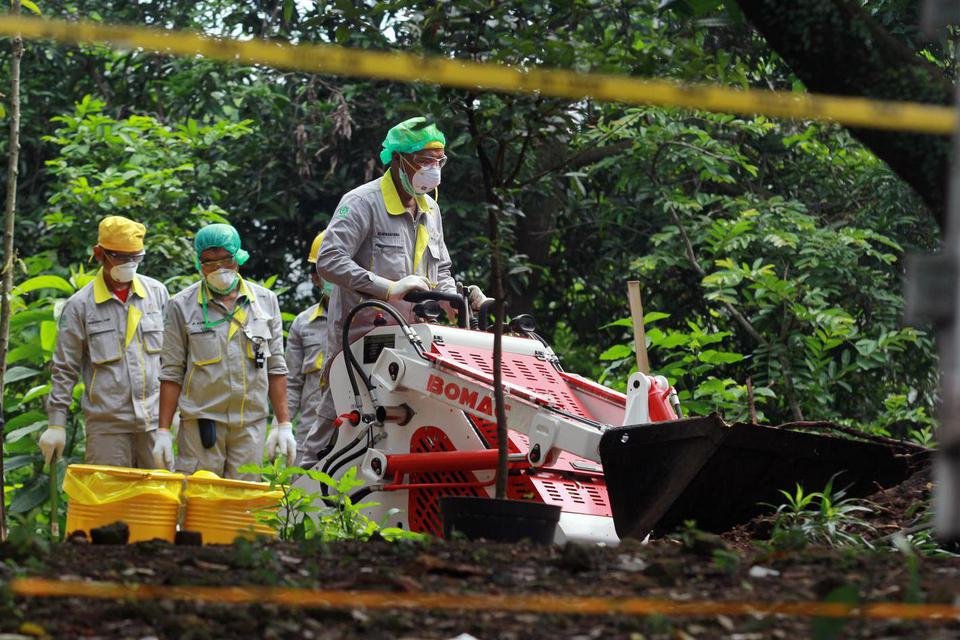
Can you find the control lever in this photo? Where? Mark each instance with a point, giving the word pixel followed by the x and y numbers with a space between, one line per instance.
pixel 429 310
pixel 523 324
pixel 474 323
pixel 457 301
pixel 483 314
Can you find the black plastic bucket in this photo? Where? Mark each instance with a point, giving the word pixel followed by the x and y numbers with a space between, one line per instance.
pixel 499 520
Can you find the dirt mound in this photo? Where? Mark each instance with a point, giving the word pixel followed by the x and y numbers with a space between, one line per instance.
pixel 903 507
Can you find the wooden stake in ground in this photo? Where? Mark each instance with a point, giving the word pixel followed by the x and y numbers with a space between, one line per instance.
pixel 9 259
pixel 639 336
pixel 751 403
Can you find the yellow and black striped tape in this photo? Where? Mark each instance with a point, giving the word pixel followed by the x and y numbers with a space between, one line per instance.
pixel 406 67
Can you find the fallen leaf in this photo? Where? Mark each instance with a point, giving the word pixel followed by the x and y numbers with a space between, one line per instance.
pixel 405 583
pixel 433 564
pixel 210 566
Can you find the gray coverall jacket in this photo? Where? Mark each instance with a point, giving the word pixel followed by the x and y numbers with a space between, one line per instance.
pixel 306 342
pixel 371 241
pixel 115 347
pixel 218 377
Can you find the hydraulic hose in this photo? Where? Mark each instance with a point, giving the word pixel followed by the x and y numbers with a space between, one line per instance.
pixel 324 489
pixel 360 494
pixel 335 455
pixel 352 363
pixel 335 460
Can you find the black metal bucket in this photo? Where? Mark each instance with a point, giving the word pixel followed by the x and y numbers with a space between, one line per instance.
pixel 499 520
pixel 720 475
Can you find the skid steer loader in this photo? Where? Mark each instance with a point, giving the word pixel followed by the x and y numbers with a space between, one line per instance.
pixel 416 417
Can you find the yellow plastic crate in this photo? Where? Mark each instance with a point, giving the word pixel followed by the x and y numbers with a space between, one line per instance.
pixel 223 510
pixel 146 500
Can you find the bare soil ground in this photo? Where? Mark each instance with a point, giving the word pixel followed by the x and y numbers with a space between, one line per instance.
pixel 728 568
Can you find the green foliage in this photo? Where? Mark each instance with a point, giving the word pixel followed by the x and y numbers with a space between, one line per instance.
pixel 830 628
pixel 759 285
pixel 690 358
pixel 305 515
pixel 824 517
pixel 35 304
pixel 770 250
pixel 169 177
pixel 913 594
pixel 725 561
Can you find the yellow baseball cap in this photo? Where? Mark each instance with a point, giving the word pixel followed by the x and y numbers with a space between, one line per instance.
pixel 315 248
pixel 121 234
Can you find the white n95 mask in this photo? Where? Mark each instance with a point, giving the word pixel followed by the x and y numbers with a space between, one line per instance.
pixel 124 272
pixel 222 280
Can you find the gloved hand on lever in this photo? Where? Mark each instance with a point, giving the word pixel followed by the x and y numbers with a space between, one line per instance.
pixel 404 285
pixel 475 297
pixel 280 442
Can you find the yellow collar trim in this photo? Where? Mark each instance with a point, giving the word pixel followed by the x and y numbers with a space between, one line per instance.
pixel 102 293
pixel 318 311
pixel 392 199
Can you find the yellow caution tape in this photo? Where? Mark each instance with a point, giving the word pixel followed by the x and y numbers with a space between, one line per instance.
pixel 405 67
pixel 310 598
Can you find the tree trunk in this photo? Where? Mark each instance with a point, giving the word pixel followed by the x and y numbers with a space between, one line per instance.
pixel 541 198
pixel 494 206
pixel 835 47
pixel 9 257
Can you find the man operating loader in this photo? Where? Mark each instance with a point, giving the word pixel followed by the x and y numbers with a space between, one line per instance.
pixel 386 239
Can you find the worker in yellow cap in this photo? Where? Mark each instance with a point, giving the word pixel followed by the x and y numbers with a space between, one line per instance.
pixel 306 344
pixel 110 335
pixel 385 238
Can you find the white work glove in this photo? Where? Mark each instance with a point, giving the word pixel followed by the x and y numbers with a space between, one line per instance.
pixel 53 440
pixel 163 450
pixel 280 442
pixel 404 285
pixel 475 297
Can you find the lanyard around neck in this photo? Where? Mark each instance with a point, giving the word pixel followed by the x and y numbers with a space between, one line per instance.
pixel 228 316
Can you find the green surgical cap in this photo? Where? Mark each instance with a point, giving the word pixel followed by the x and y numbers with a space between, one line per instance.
pixel 219 236
pixel 411 136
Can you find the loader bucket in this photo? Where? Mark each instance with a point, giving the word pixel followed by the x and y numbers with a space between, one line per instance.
pixel 659 475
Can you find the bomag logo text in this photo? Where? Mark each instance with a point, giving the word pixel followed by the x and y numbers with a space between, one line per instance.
pixel 453 391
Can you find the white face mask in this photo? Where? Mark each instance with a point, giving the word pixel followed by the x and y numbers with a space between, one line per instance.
pixel 222 280
pixel 426 179
pixel 124 272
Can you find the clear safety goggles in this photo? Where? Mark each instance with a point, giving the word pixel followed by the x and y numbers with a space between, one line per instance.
pixel 223 263
pixel 123 258
pixel 422 162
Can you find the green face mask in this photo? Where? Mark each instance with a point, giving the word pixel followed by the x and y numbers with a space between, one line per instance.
pixel 406 184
